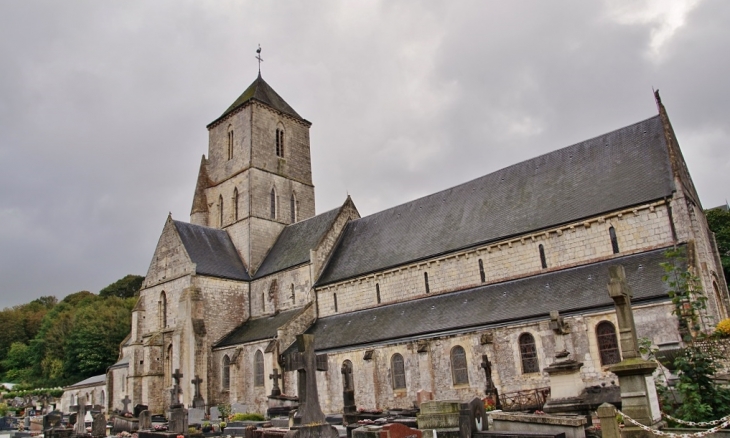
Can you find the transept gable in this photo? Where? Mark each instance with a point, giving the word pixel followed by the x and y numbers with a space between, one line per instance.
pixel 212 251
pixel 170 259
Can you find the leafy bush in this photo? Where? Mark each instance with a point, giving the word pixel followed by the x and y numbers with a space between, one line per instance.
pixel 3 409
pixel 249 416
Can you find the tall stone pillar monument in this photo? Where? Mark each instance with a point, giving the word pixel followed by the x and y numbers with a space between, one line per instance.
pixel 639 398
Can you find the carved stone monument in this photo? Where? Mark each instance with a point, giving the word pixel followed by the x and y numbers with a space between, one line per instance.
pixel 80 426
pixel 177 415
pixel 98 426
pixel 275 376
pixel 490 389
pixel 309 420
pixel 198 401
pixel 566 384
pixel 349 411
pixel 639 398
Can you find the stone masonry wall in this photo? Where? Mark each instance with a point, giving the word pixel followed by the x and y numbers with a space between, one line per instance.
pixel 219 166
pixel 324 248
pixel 640 229
pixel 264 303
pixel 431 370
pixel 170 259
pixel 242 389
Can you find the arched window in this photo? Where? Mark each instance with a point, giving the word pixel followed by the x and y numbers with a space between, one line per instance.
pixel 482 275
pixel 543 261
pixel 280 142
pixel 614 240
pixel 377 292
pixel 399 372
pixel 258 368
pixel 230 142
pixel 220 210
pixel 334 297
pixel 163 310
pixel 459 373
pixel 607 343
pixel 102 398
pixel 347 380
pixel 425 280
pixel 273 203
pixel 168 359
pixel 293 208
pixel 235 204
pixel 226 373
pixel 528 354
pixel 293 296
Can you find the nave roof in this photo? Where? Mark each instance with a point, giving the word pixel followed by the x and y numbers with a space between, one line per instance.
pixel 625 167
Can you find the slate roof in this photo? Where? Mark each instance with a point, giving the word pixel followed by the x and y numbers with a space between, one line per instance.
pixel 261 91
pixel 577 289
pixel 257 329
pixel 293 245
pixel 626 167
pixel 95 380
pixel 212 251
pixel 121 363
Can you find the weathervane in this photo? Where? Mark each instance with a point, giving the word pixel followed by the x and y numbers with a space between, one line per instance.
pixel 258 56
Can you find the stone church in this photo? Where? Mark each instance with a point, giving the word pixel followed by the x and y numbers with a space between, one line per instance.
pixel 411 298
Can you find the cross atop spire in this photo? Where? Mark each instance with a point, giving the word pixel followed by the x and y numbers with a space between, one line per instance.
pixel 258 56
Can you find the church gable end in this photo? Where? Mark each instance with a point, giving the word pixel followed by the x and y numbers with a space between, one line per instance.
pixel 170 259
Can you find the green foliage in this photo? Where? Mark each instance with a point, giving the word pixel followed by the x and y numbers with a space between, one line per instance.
pixel 701 399
pixel 54 392
pixel 47 343
pixel 225 410
pixel 3 409
pixel 126 287
pixel 719 222
pixel 249 416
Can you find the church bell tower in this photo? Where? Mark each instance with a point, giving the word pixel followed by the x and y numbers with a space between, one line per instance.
pixel 257 177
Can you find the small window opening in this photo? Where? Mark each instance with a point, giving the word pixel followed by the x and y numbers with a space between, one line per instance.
pixel 377 291
pixel 334 296
pixel 273 203
pixel 614 240
pixel 263 302
pixel 258 366
pixel 528 354
pixel 459 373
pixel 226 378
pixel 482 275
pixel 543 261
pixel 607 343
pixel 220 210
pixel 293 297
pixel 293 208
pixel 230 145
pixel 280 142
pixel 399 372
pixel 235 204
pixel 425 279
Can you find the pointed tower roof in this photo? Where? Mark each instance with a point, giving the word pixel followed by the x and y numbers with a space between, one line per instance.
pixel 200 201
pixel 262 92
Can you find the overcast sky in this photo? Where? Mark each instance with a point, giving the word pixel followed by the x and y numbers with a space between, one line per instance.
pixel 103 105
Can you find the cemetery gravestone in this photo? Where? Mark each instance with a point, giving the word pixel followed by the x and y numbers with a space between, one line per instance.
pixel 98 426
pixel 126 401
pixel 638 394
pixel 198 401
pixel 196 416
pixel 215 413
pixel 472 418
pixel 238 408
pixel 311 420
pixel 145 420
pixel 80 427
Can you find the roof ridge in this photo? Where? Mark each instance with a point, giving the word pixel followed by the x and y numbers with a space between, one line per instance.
pixel 504 169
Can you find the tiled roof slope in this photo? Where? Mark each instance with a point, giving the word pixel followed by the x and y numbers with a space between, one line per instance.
pixel 261 91
pixel 95 380
pixel 212 251
pixel 570 290
pixel 257 329
pixel 626 167
pixel 293 245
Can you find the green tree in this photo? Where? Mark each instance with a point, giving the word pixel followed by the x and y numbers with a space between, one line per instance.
pixel 126 287
pixel 719 222
pixel 18 364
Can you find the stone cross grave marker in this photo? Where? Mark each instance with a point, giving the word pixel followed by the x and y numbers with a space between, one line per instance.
pixel 490 389
pixel 307 363
pixel 620 292
pixel 126 401
pixel 560 328
pixel 275 376
pixel 176 390
pixel 80 427
pixel 198 401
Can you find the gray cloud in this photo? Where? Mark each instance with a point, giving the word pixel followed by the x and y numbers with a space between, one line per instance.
pixel 103 106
